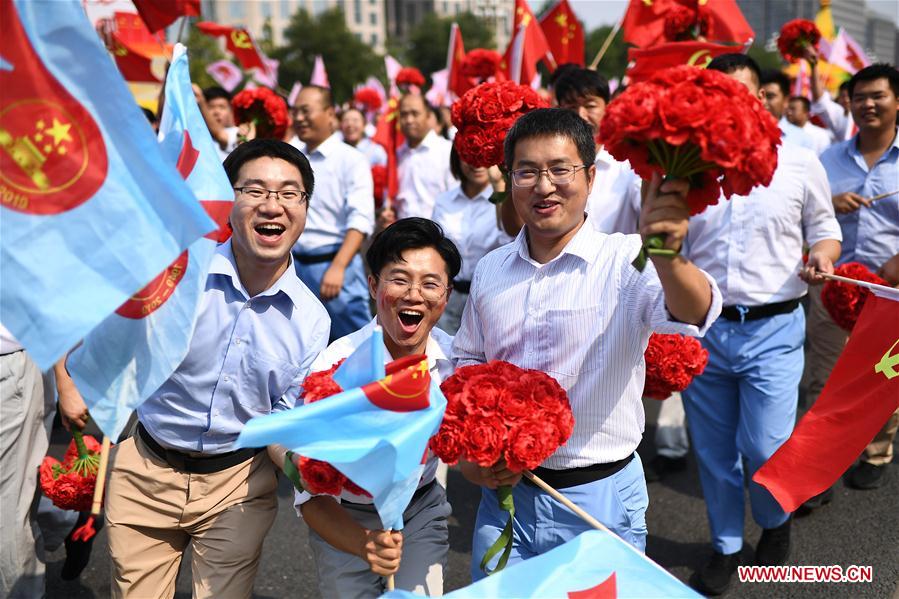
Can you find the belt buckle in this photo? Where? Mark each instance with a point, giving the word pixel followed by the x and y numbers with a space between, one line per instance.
pixel 743 310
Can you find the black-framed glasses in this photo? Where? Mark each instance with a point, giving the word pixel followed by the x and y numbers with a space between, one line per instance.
pixel 431 291
pixel 289 198
pixel 560 174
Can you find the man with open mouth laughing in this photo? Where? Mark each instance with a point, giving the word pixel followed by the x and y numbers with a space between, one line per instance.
pixel 412 265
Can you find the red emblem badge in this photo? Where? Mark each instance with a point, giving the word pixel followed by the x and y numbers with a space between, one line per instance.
pixel 154 295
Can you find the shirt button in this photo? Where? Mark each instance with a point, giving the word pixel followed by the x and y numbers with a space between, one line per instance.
pixel 237 342
pixel 225 378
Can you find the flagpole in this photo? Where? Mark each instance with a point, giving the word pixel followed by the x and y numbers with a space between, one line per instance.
pixel 873 286
pixel 181 28
pixel 884 195
pixel 87 531
pixel 605 45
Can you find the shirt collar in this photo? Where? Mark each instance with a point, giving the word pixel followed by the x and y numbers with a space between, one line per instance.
pixel 327 147
pixel 426 144
pixel 433 350
pixel 603 156
pixel 585 244
pixel 484 194
pixel 223 263
pixel 853 151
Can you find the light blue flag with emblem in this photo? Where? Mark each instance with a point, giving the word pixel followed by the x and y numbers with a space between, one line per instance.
pixel 594 565
pixel 90 209
pixel 375 434
pixel 137 348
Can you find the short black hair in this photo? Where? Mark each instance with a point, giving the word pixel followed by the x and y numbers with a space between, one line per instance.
pixel 779 78
pixel 353 109
pixel 412 234
pixel 151 116
pixel 327 98
pixel 878 70
pixel 562 70
pixel 802 100
pixel 734 61
pixel 214 91
pixel 844 87
pixel 456 165
pixel 580 83
pixel 272 148
pixel 546 122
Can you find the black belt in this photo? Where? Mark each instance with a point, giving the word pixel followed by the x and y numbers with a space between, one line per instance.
pixel 572 477
pixel 743 313
pixel 314 259
pixel 419 493
pixel 462 286
pixel 196 465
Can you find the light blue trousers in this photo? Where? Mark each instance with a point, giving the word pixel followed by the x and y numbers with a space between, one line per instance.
pixel 542 523
pixel 743 407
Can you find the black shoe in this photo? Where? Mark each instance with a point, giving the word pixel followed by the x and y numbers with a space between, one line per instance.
pixel 774 546
pixel 815 502
pixel 661 466
pixel 715 576
pixel 866 476
pixel 78 553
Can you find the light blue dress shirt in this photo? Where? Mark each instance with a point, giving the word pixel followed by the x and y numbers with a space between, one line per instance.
pixel 248 357
pixel 870 235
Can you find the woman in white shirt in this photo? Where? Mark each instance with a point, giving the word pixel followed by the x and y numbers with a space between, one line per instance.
pixel 468 218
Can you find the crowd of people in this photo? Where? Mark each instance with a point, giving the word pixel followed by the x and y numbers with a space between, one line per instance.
pixel 543 279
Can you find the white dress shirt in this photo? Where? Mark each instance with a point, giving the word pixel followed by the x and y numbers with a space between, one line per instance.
pixel 840 124
pixel 440 366
pixel 8 343
pixel 752 244
pixel 343 197
pixel 424 173
pixel 373 151
pixel 821 138
pixel 614 203
pixel 585 319
pixel 471 224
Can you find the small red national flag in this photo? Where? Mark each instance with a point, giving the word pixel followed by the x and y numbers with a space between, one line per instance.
pixel 649 60
pixel 858 398
pixel 239 43
pixel 564 34
pixel 132 65
pixel 159 14
pixel 456 81
pixel 644 22
pixel 527 47
pixel 387 133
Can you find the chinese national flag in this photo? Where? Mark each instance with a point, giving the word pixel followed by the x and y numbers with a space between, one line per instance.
pixel 239 43
pixel 564 34
pixel 527 47
pixel 132 65
pixel 671 54
pixel 387 133
pixel 644 22
pixel 159 14
pixel 859 397
pixel 456 82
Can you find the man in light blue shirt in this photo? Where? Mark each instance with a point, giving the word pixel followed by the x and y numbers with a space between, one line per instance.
pixel 177 482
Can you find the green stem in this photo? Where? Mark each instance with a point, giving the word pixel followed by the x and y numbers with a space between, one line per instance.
pixel 79 443
pixel 504 542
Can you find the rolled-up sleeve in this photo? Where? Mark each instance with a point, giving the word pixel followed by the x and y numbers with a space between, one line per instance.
pixel 360 204
pixel 818 219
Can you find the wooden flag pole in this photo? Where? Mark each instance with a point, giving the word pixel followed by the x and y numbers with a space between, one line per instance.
pixel 565 501
pixel 884 195
pixel 888 290
pixel 88 530
pixel 605 46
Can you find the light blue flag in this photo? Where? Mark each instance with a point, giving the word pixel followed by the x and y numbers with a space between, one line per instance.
pixel 594 565
pixel 90 210
pixel 137 348
pixel 365 364
pixel 376 435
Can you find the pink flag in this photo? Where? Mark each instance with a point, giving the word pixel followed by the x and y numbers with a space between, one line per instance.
pixel 226 73
pixel 847 54
pixel 393 67
pixel 375 84
pixel 437 95
pixel 319 74
pixel 803 85
pixel 294 92
pixel 269 75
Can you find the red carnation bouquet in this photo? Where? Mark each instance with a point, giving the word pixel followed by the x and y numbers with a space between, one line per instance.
pixel 795 36
pixel 367 98
pixel 685 122
pixel 499 411
pixel 686 23
pixel 481 64
pixel 379 179
pixel 409 76
pixel 265 109
pixel 483 116
pixel 844 301
pixel 321 477
pixel 70 484
pixel 671 363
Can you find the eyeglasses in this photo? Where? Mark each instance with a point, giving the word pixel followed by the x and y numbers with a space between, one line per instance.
pixel 431 291
pixel 561 174
pixel 289 198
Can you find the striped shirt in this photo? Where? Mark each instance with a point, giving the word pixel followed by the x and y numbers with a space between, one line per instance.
pixel 584 318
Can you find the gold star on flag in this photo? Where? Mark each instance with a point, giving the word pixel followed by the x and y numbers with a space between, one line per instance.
pixel 562 20
pixel 60 132
pixel 41 124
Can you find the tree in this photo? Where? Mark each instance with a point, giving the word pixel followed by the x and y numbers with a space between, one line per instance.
pixel 427 42
pixel 614 62
pixel 764 58
pixel 202 51
pixel 348 60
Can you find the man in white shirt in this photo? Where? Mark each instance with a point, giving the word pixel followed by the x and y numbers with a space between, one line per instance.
pixel 220 118
pixel 743 406
pixel 835 114
pixel 775 87
pixel 565 299
pixel 340 214
pixel 798 113
pixel 413 266
pixel 423 161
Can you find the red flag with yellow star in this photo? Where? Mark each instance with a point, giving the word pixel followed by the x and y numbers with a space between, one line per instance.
pixel 564 34
pixel 644 21
pixel 387 133
pixel 527 47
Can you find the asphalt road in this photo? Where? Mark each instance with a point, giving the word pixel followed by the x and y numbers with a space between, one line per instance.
pixel 858 528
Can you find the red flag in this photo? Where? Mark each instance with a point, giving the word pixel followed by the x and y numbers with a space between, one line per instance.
pixel 159 14
pixel 457 82
pixel 132 65
pixel 644 22
pixel 564 34
pixel 527 47
pixel 859 397
pixel 649 60
pixel 387 133
pixel 240 44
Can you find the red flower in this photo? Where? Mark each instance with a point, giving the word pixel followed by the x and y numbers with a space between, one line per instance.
pixel 367 99
pixel 448 443
pixel 319 385
pixel 485 439
pixel 686 23
pixel 321 477
pixel 531 442
pixel 379 178
pixel 263 107
pixel 482 394
pixel 66 489
pixel 671 363
pixel 481 64
pixel 795 36
pixel 844 301
pixel 410 76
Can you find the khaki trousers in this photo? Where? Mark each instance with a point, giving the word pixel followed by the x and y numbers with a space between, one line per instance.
pixel 154 512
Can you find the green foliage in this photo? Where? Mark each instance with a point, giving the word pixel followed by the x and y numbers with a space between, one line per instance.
pixel 765 59
pixel 614 62
pixel 427 42
pixel 202 50
pixel 348 60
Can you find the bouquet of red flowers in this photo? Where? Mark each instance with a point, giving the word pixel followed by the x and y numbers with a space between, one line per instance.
pixel 70 484
pixel 409 76
pixel 265 109
pixel 367 99
pixel 484 115
pixel 844 301
pixel 685 23
pixel 795 36
pixel 671 363
pixel 321 477
pixel 481 64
